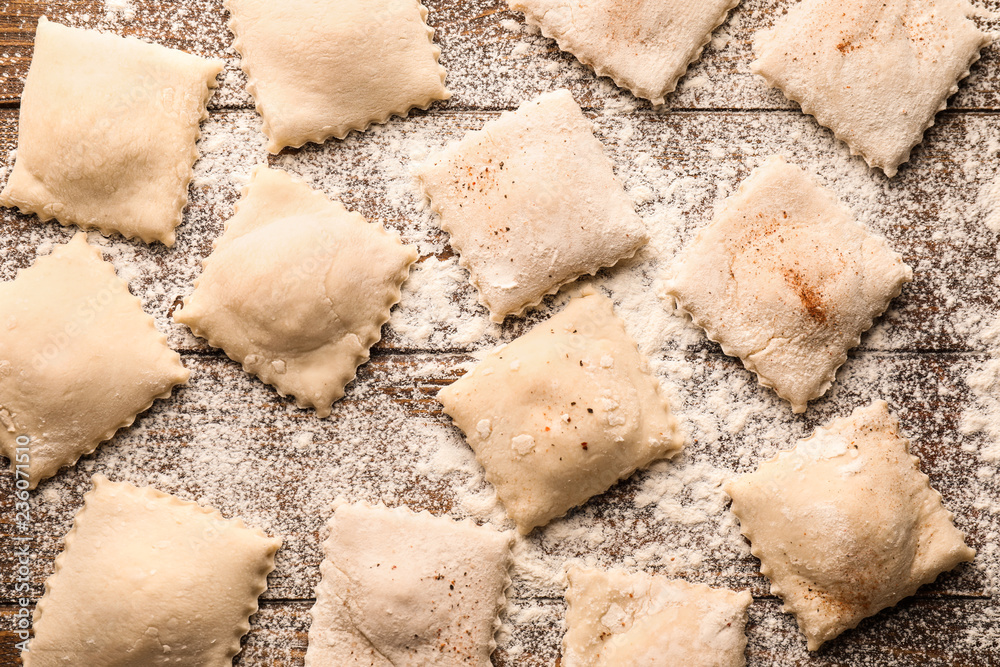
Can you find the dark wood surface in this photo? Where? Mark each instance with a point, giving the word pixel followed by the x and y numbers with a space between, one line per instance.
pixel 917 357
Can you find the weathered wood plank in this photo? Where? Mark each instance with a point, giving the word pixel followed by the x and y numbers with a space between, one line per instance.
pixel 228 441
pixel 680 165
pixel 932 633
pixel 936 633
pixel 493 60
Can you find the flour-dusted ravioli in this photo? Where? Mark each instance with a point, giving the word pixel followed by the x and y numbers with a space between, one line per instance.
pixel 644 46
pixel 873 71
pixel 531 203
pixel 845 524
pixel 107 132
pixel 618 619
pixel 79 359
pixel 408 590
pixel 297 289
pixel 322 68
pixel 149 579
pixel 562 413
pixel 787 281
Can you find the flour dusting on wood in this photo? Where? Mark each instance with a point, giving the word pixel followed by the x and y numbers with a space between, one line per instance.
pixel 229 441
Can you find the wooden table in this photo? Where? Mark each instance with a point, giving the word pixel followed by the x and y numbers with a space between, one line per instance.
pixel 229 441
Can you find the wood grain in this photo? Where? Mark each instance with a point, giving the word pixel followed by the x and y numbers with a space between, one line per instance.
pixel 279 637
pixel 928 213
pixel 229 441
pixel 225 413
pixel 470 33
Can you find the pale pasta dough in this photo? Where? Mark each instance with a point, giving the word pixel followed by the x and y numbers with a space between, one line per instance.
pixel 845 524
pixel 322 68
pixel 107 132
pixel 787 281
pixel 618 619
pixel 531 203
pixel 643 45
pixel 407 590
pixel 149 579
pixel 873 71
pixel 562 413
pixel 79 359
pixel 297 289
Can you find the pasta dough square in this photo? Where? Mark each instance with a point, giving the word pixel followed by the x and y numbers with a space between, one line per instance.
pixel 149 579
pixel 644 46
pixel 107 132
pixel 874 72
pixel 408 590
pixel 617 619
pixel 787 281
pixel 531 203
pixel 297 289
pixel 845 524
pixel 322 68
pixel 79 359
pixel 562 413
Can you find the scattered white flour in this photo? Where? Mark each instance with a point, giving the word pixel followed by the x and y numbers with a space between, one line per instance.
pixel 119 9
pixel 989 202
pixel 429 313
pixel 980 426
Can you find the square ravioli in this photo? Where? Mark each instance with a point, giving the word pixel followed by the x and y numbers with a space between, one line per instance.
pixel 79 359
pixel 408 590
pixel 845 524
pixel 107 132
pixel 149 579
pixel 531 203
pixel 618 619
pixel 644 46
pixel 322 68
pixel 874 72
pixel 787 281
pixel 562 413
pixel 297 289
